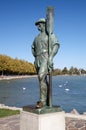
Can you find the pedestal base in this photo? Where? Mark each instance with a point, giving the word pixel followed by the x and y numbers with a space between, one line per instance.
pixel 42 110
pixel 49 121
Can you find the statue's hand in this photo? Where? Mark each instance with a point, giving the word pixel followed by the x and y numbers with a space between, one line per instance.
pixel 50 65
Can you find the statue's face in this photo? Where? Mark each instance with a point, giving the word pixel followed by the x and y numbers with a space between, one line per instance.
pixel 41 27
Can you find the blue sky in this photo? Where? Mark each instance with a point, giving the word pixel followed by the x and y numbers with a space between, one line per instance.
pixel 17 29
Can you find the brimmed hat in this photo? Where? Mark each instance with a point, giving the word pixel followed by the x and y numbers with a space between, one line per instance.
pixel 41 20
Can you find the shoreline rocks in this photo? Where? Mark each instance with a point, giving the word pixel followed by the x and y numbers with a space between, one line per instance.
pixel 3 106
pixel 74 112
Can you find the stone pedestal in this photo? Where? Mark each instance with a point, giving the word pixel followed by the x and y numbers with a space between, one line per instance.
pixel 49 121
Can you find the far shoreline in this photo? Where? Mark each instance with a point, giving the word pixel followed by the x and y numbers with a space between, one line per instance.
pixel 4 77
pixel 16 77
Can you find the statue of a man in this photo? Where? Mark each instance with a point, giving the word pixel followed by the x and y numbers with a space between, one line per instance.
pixel 43 60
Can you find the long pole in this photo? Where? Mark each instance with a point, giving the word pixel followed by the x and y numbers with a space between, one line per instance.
pixel 50 21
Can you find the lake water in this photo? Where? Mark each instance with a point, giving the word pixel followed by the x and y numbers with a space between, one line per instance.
pixel 68 91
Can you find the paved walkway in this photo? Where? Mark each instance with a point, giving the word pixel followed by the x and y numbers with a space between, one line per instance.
pixel 10 123
pixel 13 123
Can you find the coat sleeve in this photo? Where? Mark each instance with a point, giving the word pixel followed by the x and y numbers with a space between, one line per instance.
pixel 55 45
pixel 54 49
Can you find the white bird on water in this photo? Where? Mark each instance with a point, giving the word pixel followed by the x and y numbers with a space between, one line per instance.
pixel 60 85
pixel 24 88
pixel 67 89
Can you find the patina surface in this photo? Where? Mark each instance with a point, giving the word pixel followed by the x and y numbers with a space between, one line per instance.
pixel 44 48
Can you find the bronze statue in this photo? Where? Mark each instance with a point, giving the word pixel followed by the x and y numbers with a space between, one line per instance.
pixel 43 62
pixel 44 54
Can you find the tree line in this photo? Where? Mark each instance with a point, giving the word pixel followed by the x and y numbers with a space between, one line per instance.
pixel 10 66
pixel 71 71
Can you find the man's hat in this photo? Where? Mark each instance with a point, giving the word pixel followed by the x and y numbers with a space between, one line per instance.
pixel 41 20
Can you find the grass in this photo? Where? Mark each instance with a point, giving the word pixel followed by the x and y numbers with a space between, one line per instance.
pixel 8 112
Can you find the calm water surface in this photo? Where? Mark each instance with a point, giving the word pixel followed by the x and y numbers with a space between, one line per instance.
pixel 68 91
